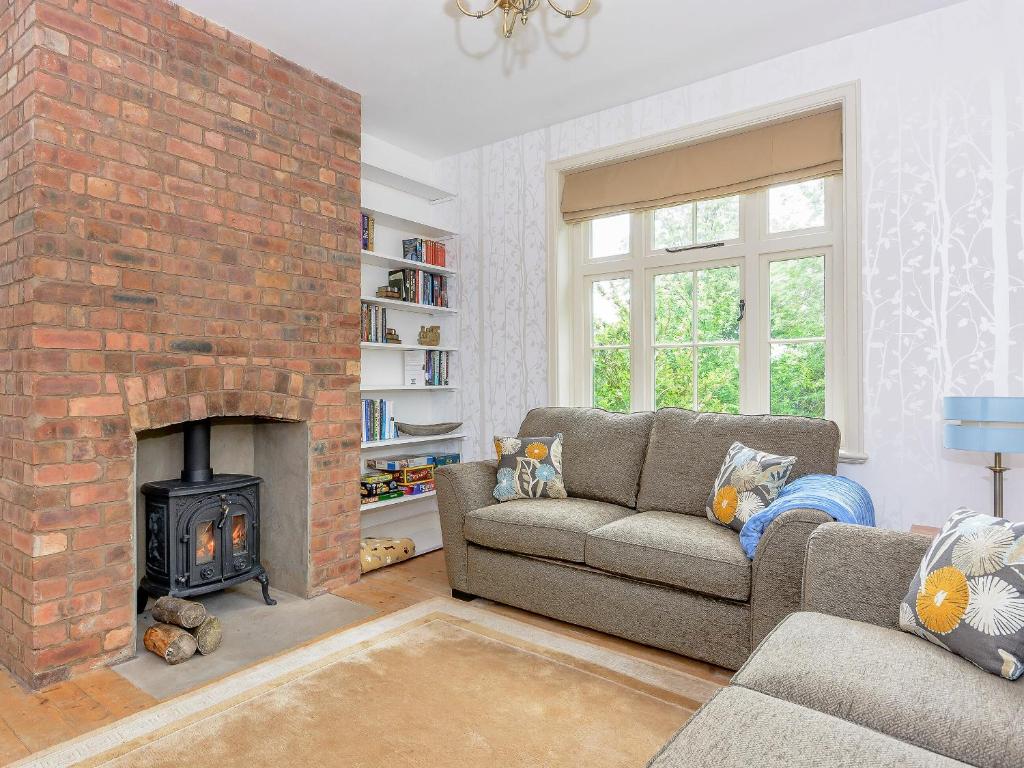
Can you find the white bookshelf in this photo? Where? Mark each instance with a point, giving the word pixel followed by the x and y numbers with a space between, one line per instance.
pixel 397 262
pixel 409 440
pixel 383 365
pixel 394 502
pixel 405 388
pixel 406 347
pixel 409 306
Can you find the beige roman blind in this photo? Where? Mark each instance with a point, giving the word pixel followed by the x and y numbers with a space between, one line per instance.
pixel 793 150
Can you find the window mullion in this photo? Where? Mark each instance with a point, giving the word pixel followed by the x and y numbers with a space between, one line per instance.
pixel 638 308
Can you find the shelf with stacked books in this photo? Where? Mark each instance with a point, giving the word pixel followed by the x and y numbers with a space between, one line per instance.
pixel 406 388
pixel 387 261
pixel 404 224
pixel 405 347
pixel 400 500
pixel 410 439
pixel 409 306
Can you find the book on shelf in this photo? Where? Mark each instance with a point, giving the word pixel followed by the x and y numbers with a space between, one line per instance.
pixel 419 287
pixel 413 369
pixel 367 232
pixel 373 325
pixel 430 252
pixel 379 420
pixel 435 368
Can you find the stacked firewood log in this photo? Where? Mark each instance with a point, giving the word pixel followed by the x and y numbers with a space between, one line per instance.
pixel 183 627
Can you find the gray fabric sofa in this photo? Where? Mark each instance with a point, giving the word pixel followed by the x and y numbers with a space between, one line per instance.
pixel 631 552
pixel 840 685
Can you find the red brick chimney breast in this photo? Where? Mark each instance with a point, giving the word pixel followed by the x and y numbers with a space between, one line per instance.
pixel 179 224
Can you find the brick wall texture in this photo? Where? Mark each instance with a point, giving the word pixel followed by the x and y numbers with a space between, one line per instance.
pixel 179 214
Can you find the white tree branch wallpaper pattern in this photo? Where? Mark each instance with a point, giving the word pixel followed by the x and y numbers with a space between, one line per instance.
pixel 942 173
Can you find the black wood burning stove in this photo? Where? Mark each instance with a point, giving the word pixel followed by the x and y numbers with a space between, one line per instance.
pixel 202 531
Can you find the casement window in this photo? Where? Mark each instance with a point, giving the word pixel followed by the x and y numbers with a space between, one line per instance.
pixel 732 304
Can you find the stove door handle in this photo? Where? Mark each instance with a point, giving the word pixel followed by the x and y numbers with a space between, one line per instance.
pixel 223 511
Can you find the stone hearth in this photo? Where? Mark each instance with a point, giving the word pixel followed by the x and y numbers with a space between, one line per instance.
pixel 179 214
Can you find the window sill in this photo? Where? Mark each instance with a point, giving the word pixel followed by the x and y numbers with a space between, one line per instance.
pixel 852 457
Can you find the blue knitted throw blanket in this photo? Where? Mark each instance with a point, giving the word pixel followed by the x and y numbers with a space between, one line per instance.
pixel 840 497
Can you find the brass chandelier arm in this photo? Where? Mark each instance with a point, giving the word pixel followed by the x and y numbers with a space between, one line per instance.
pixel 570 14
pixel 479 14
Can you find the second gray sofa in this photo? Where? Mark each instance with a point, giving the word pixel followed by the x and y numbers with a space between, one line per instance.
pixel 840 685
pixel 631 552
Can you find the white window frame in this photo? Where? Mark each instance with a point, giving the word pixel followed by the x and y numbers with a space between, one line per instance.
pixel 838 241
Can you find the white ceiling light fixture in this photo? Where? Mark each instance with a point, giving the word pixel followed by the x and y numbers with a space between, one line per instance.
pixel 511 10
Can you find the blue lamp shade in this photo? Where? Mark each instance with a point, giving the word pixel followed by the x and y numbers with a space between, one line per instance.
pixel 989 424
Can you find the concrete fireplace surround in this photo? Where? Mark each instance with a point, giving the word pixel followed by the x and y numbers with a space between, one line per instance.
pixel 179 213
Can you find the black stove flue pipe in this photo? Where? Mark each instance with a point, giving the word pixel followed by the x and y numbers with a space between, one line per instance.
pixel 197 452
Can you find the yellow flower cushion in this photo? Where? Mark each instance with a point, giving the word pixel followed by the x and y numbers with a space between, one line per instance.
pixel 748 481
pixel 529 468
pixel 968 594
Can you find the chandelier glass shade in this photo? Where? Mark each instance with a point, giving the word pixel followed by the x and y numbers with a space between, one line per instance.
pixel 519 10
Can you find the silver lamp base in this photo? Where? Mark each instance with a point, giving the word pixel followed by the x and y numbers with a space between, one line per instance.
pixel 998 470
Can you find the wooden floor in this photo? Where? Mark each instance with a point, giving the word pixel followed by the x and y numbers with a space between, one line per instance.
pixel 31 721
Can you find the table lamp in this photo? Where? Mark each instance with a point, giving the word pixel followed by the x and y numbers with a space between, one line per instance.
pixel 993 424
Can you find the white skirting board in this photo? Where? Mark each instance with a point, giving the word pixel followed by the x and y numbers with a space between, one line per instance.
pixel 423 527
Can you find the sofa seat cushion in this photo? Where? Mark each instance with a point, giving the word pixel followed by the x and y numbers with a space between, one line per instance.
pixel 602 452
pixel 894 683
pixel 678 550
pixel 686 450
pixel 740 728
pixel 555 528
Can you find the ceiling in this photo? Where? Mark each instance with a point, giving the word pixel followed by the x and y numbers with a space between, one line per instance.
pixel 435 82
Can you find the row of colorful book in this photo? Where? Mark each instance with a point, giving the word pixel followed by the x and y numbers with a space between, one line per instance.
pixel 419 287
pixel 373 323
pixel 367 232
pixel 435 368
pixel 379 420
pixel 425 251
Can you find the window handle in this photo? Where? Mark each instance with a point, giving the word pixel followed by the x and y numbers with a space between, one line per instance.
pixel 693 247
pixel 743 310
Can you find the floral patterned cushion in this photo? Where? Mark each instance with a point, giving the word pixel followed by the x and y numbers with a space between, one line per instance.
pixel 968 594
pixel 529 468
pixel 748 482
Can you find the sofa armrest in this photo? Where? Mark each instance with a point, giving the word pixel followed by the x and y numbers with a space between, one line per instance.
pixel 461 488
pixel 777 577
pixel 861 573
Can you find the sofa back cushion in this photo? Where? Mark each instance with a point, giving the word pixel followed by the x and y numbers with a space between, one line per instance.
pixel 602 452
pixel 686 451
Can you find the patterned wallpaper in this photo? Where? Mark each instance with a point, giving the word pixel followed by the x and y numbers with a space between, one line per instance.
pixel 942 173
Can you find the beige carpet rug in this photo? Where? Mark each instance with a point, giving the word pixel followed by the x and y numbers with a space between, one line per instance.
pixel 439 684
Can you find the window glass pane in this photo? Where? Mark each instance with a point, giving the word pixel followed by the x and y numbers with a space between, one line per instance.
pixel 610 312
pixel 673 378
pixel 797 304
pixel 718 220
pixel 609 236
pixel 673 308
pixel 718 379
pixel 718 304
pixel 611 379
pixel 798 379
pixel 673 227
pixel 796 206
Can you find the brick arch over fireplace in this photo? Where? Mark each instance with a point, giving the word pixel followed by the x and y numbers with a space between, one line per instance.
pixel 168 397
